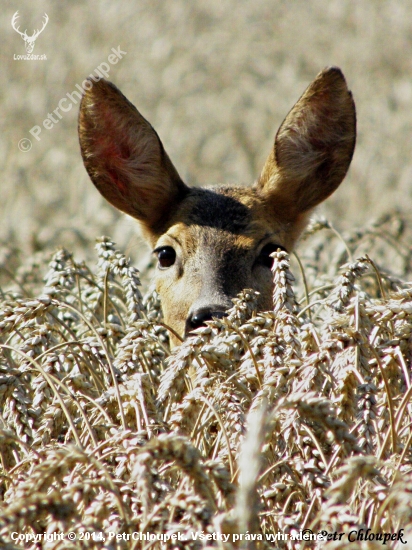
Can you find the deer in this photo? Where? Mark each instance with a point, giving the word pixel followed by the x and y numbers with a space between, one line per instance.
pixel 29 41
pixel 213 242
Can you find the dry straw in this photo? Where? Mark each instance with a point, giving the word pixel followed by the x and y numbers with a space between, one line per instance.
pixel 260 423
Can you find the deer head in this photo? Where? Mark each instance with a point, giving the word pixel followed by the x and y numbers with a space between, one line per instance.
pixel 28 40
pixel 212 243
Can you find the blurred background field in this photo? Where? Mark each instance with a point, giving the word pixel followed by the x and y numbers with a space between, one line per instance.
pixel 215 79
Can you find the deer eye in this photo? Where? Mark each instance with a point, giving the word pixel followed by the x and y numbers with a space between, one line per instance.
pixel 264 256
pixel 166 256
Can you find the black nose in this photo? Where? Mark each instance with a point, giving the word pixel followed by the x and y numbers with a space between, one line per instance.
pixel 199 317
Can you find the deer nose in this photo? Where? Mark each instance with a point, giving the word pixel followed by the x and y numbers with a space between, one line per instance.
pixel 199 317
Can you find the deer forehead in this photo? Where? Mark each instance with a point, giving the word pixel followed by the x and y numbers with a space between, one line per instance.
pixel 222 220
pixel 196 241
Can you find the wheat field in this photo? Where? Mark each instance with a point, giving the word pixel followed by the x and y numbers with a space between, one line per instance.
pixel 264 430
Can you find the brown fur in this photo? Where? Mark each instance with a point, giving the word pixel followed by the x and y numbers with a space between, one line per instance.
pixel 218 234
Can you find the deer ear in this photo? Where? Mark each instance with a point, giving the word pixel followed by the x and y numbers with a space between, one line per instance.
pixel 313 147
pixel 125 158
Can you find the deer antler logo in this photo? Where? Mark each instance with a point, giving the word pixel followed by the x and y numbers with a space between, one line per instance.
pixel 29 40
